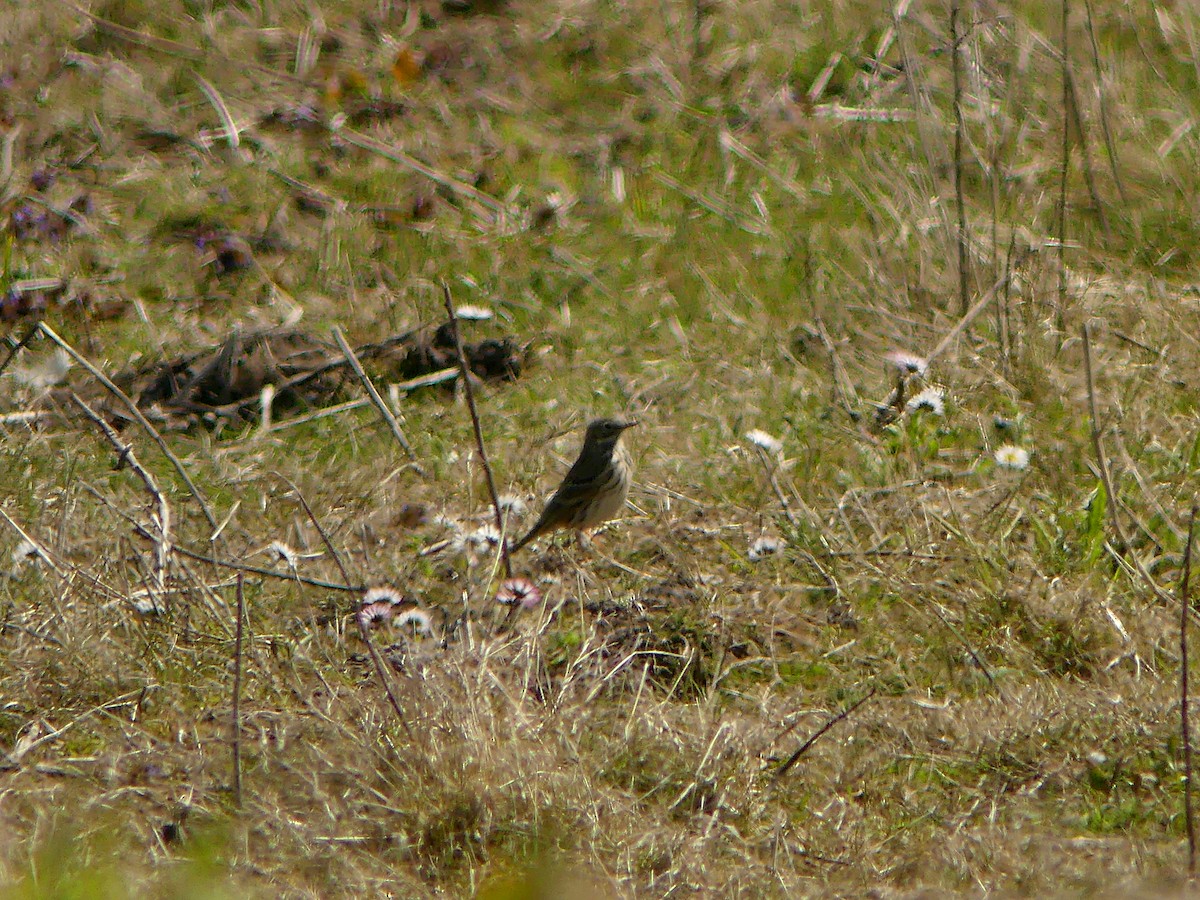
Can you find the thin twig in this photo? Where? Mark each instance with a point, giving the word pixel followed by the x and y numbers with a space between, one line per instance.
pixel 237 690
pixel 41 551
pixel 1064 171
pixel 483 457
pixel 126 457
pixel 844 714
pixel 21 344
pixel 964 290
pixel 138 415
pixel 769 468
pixel 1184 726
pixel 1085 152
pixel 1098 444
pixel 971 314
pixel 491 210
pixel 1121 552
pixel 270 573
pixel 1109 143
pixel 363 631
pixel 376 399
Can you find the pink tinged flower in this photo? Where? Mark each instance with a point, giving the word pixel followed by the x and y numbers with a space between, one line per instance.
pixel 519 590
pixel 381 594
pixel 417 618
pixel 378 613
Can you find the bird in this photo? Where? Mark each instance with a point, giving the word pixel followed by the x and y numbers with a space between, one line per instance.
pixel 595 487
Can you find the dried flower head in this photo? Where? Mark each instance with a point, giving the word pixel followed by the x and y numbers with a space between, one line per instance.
pixel 378 613
pixel 474 313
pixel 146 606
pixel 764 546
pixel 44 373
pixel 283 552
pixel 444 521
pixel 1010 456
pixel 418 618
pixel 908 363
pixel 512 504
pixel 23 553
pixel 932 399
pixel 482 539
pixel 519 590
pixel 765 441
pixel 382 594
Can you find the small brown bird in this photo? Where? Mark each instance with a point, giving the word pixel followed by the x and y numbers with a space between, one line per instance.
pixel 596 486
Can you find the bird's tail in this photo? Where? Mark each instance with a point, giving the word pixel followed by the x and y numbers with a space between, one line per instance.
pixel 530 535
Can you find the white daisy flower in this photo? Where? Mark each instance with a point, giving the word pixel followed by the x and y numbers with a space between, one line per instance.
pixel 418 618
pixel 44 373
pixel 908 363
pixel 474 313
pixel 24 552
pixel 1011 456
pixel 932 399
pixel 146 606
pixel 483 539
pixel 764 546
pixel 381 594
pixel 283 552
pixel 765 441
pixel 511 504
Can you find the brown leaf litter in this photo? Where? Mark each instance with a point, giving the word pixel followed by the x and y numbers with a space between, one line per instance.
pixel 225 383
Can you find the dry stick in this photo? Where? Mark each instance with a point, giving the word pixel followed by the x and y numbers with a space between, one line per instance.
pixel 1184 726
pixel 1063 171
pixel 237 691
pixel 126 457
pixel 844 714
pixel 971 314
pixel 363 631
pixel 769 468
pixel 1085 152
pixel 1109 143
pixel 959 127
pixel 491 205
pixel 21 344
pixel 270 573
pixel 138 415
pixel 1098 445
pixel 483 458
pixel 376 400
pixel 1130 560
pixel 1004 308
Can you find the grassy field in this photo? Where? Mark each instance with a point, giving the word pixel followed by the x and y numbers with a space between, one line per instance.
pixel 723 218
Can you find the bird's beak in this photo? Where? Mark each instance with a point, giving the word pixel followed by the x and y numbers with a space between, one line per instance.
pixel 629 423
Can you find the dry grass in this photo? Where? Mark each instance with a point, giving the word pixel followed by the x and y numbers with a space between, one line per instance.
pixel 677 206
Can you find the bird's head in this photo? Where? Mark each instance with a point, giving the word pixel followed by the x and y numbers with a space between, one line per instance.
pixel 606 431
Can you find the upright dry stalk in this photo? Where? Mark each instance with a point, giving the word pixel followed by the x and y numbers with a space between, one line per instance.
pixel 363 631
pixel 964 298
pixel 465 371
pixel 1061 315
pixel 1109 143
pixel 1184 726
pixel 236 737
